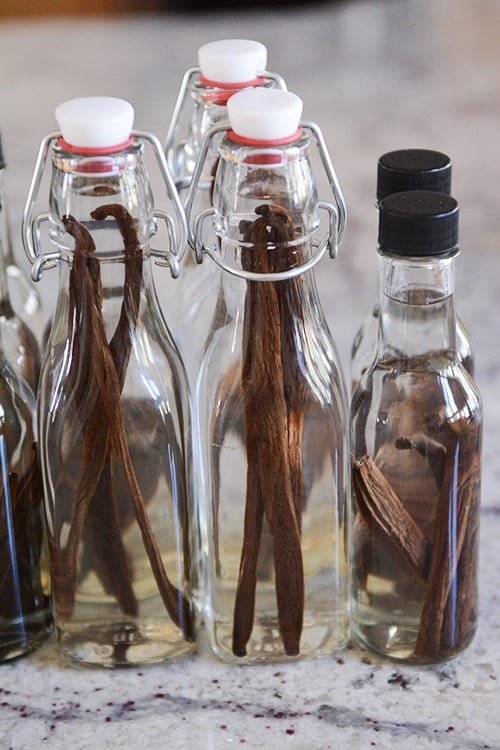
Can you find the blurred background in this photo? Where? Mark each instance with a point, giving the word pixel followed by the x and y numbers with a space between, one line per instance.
pixel 14 8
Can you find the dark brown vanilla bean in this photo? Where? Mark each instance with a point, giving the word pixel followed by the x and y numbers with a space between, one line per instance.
pixel 447 564
pixel 453 563
pixel 109 553
pixel 387 518
pixel 105 438
pixel 121 341
pixel 290 294
pixel 82 377
pixel 269 483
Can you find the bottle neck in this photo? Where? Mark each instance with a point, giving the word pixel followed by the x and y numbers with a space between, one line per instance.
pixel 250 176
pixel 5 250
pixel 416 307
pixel 208 102
pixel 82 185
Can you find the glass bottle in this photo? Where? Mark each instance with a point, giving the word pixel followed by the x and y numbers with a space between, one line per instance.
pixel 416 430
pixel 398 171
pixel 113 399
pixel 225 67
pixel 25 618
pixel 270 397
pixel 20 346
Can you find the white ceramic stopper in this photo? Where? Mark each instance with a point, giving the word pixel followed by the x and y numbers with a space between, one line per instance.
pixel 264 114
pixel 95 121
pixel 232 60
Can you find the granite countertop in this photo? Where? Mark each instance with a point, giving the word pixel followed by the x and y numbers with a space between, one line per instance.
pixel 376 75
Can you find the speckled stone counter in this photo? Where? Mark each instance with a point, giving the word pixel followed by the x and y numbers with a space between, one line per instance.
pixel 375 75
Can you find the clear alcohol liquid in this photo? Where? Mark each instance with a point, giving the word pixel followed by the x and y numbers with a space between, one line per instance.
pixel 430 400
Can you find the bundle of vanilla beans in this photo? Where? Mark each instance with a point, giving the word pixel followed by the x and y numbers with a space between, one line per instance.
pixel 442 552
pixel 274 392
pixel 96 378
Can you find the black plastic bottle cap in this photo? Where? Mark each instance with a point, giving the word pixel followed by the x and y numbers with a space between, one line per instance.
pixel 413 169
pixel 418 223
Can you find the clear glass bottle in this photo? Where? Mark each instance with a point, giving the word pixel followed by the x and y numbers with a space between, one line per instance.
pixel 416 420
pixel 19 342
pixel 225 67
pixel 113 400
pixel 398 171
pixel 25 617
pixel 23 296
pixel 271 399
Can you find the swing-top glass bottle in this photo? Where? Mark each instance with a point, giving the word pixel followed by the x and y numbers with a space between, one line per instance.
pixel 225 67
pixel 270 396
pixel 113 400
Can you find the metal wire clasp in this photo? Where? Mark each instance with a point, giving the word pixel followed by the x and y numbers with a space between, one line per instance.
pixel 336 211
pixel 31 224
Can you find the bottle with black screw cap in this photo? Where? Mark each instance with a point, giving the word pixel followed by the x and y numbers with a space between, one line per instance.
pixel 416 419
pixel 400 170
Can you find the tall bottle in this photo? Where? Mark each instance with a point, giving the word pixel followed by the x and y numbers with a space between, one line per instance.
pixel 20 346
pixel 416 430
pixel 113 399
pixel 397 171
pixel 225 67
pixel 270 396
pixel 25 618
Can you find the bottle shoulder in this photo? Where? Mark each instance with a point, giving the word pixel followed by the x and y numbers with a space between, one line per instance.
pixel 422 386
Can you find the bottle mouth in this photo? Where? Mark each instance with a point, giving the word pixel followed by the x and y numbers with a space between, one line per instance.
pixel 236 86
pixel 96 160
pixel 95 150
pixel 220 92
pixel 264 142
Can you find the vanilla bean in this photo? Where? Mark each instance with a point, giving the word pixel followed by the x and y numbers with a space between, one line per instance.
pixel 290 294
pixel 455 525
pixel 387 518
pixel 108 550
pixel 433 450
pixel 94 451
pixel 244 608
pixel 174 600
pixel 121 341
pixel 105 436
pixel 269 488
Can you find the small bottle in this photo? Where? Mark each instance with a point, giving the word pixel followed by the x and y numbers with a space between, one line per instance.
pixel 271 401
pixel 225 67
pixel 25 618
pixel 416 420
pixel 20 346
pixel 397 171
pixel 113 399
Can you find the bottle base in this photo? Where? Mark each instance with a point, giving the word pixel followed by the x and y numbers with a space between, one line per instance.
pixel 121 644
pixel 397 643
pixel 266 645
pixel 20 638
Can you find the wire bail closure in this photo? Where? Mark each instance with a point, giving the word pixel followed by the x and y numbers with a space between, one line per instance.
pixel 336 212
pixel 177 231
